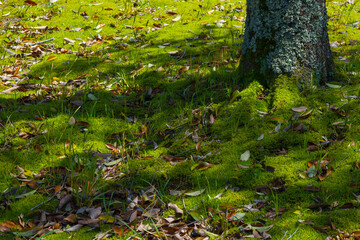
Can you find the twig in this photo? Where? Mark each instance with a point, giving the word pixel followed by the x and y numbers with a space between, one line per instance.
pixel 284 235
pixel 345 158
pixel 41 42
pixel 183 202
pixel 181 56
pixel 293 233
pixel 50 198
pixel 9 90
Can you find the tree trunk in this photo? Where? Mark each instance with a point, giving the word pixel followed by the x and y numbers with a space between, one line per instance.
pixel 286 37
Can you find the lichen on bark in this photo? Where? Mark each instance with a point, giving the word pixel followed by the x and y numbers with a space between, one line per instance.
pixel 286 37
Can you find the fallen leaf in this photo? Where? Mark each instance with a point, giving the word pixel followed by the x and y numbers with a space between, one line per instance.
pixel 57 188
pixel 311 172
pixel 118 230
pixel 332 85
pixel 37 148
pixel 71 218
pixel 305 115
pixel 299 109
pixel 65 200
pixel 312 147
pixel 51 58
pixel 261 137
pixel 152 212
pixel 82 123
pixel 212 119
pixel 245 156
pixel 198 146
pixel 194 194
pixel 95 212
pixel 174 207
pixel 204 165
pixel 238 216
pixel 30 3
pixel 243 166
pixel 74 228
pixel 275 119
pixel 183 69
pixel 33 184
pixel 92 97
pixel 7 226
pixel 72 121
pixel 278 127
pixel 171 13
pixel 107 218
pixel 178 17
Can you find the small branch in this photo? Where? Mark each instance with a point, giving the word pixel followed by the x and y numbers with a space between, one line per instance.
pixel 183 202
pixel 284 235
pixel 41 42
pixel 293 233
pixel 345 158
pixel 9 90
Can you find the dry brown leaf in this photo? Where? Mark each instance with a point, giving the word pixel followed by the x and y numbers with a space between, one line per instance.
pixel 118 230
pixel 204 165
pixel 305 115
pixel 95 212
pixel 30 3
pixel 198 146
pixel 71 218
pixel 183 69
pixel 82 123
pixel 174 207
pixel 33 184
pixel 133 216
pixel 57 188
pixel 7 226
pixel 212 119
pixel 74 228
pixel 299 109
pixel 37 148
pixel 65 200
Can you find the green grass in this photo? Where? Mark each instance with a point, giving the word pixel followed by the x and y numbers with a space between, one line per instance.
pixel 120 70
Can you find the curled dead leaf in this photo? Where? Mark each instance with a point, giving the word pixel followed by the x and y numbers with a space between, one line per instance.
pixel 174 207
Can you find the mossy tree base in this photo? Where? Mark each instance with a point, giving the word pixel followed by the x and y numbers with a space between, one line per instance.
pixel 286 37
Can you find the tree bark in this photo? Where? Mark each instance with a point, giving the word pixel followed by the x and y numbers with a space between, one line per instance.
pixel 286 37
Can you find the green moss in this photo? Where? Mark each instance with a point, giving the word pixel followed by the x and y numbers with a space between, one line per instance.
pixel 285 93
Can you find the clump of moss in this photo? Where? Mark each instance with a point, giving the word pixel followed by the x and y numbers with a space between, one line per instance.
pixel 240 112
pixel 285 93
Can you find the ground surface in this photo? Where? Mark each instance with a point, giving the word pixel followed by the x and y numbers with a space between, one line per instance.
pixel 121 119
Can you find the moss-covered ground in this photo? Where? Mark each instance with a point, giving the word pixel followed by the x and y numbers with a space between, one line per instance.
pixel 154 83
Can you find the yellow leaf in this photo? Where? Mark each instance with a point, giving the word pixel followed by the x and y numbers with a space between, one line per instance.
pixel 108 218
pixel 51 58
